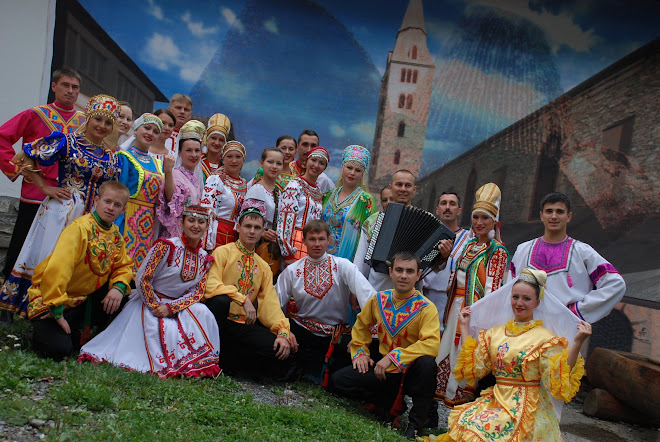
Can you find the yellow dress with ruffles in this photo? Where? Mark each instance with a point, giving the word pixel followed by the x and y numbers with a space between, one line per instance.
pixel 529 364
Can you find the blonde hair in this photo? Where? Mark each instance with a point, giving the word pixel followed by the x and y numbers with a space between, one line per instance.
pixel 181 97
pixel 114 186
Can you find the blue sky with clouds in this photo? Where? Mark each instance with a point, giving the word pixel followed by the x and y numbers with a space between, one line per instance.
pixel 174 41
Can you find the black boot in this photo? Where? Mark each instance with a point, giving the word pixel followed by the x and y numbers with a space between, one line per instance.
pixel 411 431
pixel 432 418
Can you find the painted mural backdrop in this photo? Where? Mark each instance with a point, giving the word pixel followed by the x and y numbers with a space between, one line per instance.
pixel 278 66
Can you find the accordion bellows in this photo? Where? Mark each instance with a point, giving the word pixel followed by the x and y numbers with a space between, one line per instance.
pixel 405 229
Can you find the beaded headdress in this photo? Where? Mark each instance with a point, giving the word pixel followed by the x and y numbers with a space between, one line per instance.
pixel 534 277
pixel 218 123
pixel 192 130
pixel 320 152
pixel 147 118
pixel 252 206
pixel 357 154
pixel 488 198
pixel 233 145
pixel 103 105
pixel 196 211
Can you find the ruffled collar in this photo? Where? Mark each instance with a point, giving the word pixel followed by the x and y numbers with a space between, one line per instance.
pixel 514 328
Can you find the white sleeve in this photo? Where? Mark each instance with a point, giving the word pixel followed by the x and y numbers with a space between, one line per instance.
pixel 356 282
pixel 283 286
pixel 360 253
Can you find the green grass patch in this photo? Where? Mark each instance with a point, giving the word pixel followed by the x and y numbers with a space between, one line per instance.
pixel 102 402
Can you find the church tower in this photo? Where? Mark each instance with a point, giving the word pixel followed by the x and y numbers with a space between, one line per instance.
pixel 403 105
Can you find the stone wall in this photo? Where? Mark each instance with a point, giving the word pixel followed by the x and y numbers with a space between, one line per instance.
pixel 8 213
pixel 567 146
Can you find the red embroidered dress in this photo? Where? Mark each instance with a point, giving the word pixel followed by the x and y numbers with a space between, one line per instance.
pixel 223 194
pixel 299 203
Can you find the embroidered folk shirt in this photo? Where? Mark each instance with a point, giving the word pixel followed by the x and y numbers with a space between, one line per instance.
pixel 407 326
pixel 240 274
pixel 320 290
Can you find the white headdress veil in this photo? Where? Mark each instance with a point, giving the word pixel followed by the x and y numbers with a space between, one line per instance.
pixel 495 309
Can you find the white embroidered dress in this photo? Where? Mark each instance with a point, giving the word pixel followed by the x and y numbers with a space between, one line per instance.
pixel 578 276
pixel 434 285
pixel 321 290
pixel 185 344
pixel 300 203
pixel 223 194
pixel 259 192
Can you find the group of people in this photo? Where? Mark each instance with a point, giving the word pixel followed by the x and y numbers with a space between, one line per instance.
pixel 173 263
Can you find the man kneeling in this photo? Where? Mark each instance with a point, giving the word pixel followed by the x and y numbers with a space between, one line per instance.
pixel 407 325
pixel 89 257
pixel 315 293
pixel 254 333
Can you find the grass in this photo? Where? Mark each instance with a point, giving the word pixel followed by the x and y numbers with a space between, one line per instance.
pixel 101 402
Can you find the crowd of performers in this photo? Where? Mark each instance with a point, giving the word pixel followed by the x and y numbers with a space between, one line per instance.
pixel 153 253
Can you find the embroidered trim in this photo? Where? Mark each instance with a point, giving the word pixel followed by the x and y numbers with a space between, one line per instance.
pixel 551 257
pixel 318 277
pixel 600 271
pixel 396 318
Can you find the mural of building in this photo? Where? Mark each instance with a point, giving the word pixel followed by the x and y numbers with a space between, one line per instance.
pixel 81 43
pixel 404 100
pixel 599 144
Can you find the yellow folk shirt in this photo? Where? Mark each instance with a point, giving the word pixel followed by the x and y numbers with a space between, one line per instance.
pixel 407 327
pixel 240 274
pixel 88 253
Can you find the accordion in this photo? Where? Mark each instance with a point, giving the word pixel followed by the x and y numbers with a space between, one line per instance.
pixel 405 229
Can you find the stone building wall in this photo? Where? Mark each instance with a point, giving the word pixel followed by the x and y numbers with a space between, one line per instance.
pixel 599 143
pixel 8 213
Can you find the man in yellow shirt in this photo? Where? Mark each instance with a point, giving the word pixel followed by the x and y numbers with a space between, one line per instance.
pixel 409 338
pixel 89 257
pixel 254 333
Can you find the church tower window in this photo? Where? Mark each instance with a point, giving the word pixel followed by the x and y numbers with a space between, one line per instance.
pixel 401 130
pixel 397 156
pixel 402 101
pixel 414 79
pixel 409 101
pixel 414 52
pixel 408 75
pixel 403 75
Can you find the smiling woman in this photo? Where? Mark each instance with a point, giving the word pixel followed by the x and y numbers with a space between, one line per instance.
pixel 79 181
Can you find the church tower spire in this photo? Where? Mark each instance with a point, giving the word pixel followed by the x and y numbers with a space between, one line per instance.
pixel 414 17
pixel 403 104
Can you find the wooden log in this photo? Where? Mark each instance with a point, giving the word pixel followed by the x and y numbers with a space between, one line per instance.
pixel 599 403
pixel 632 379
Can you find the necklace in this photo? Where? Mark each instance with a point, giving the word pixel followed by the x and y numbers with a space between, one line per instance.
pixel 336 205
pixel 141 156
pixel 90 144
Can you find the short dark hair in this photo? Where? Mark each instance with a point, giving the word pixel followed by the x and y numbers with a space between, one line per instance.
pixel 251 216
pixel 66 72
pixel 125 104
pixel 167 112
pixel 309 132
pixel 183 140
pixel 556 197
pixel 405 256
pixel 316 226
pixel 450 193
pixel 264 154
pixel 383 190
pixel 286 137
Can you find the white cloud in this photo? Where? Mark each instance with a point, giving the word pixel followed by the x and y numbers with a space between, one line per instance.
pixel 271 26
pixel 337 131
pixel 162 53
pixel 197 28
pixel 233 87
pixel 560 29
pixel 156 11
pixel 363 132
pixel 232 20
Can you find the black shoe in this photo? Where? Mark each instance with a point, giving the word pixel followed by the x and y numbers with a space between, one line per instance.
pixel 411 432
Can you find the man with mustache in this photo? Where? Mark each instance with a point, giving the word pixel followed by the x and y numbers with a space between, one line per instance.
pixel 435 283
pixel 307 140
